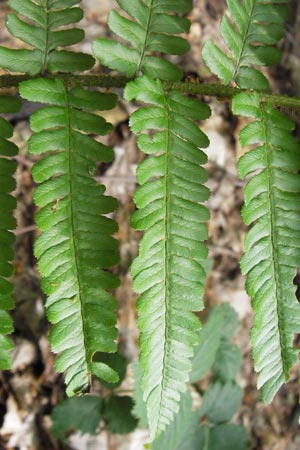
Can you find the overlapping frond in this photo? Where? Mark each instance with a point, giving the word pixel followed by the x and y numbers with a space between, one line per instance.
pixel 76 246
pixel 151 28
pixel 42 30
pixel 272 246
pixel 250 33
pixel 169 272
pixel 7 223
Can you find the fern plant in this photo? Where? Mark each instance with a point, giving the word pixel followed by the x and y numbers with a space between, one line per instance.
pixel 151 30
pixel 172 252
pixel 42 31
pixel 71 206
pixel 250 33
pixel 271 254
pixel 76 247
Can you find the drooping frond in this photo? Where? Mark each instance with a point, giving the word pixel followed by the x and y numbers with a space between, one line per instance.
pixel 42 30
pixel 75 247
pixel 250 33
pixel 272 246
pixel 169 272
pixel 151 28
pixel 7 223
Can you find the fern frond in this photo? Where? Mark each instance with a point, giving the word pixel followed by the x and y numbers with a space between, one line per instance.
pixel 250 33
pixel 169 272
pixel 75 247
pixel 272 246
pixel 151 28
pixel 42 30
pixel 7 223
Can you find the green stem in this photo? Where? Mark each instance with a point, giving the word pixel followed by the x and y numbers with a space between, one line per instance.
pixel 116 81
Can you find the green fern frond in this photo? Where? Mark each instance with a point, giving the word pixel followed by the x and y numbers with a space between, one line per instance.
pixel 75 247
pixel 250 33
pixel 41 30
pixel 7 222
pixel 151 29
pixel 272 246
pixel 169 272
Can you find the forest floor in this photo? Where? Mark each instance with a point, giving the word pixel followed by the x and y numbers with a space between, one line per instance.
pixel 29 392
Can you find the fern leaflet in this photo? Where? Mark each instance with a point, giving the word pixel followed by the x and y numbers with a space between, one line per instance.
pixel 150 29
pixel 76 246
pixel 42 31
pixel 7 223
pixel 256 28
pixel 169 272
pixel 272 245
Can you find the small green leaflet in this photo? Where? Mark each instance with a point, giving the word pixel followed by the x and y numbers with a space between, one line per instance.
pixel 214 345
pixel 118 414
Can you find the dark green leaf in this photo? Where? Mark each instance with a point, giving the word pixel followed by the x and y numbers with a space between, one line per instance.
pixel 24 61
pixel 139 410
pixel 116 56
pixel 118 415
pixel 225 437
pixel 209 342
pixel 218 62
pixel 64 61
pixel 34 36
pixel 65 37
pixel 181 430
pixel 220 402
pixel 77 414
pixel 63 17
pixel 29 10
pixel 231 321
pixel 227 362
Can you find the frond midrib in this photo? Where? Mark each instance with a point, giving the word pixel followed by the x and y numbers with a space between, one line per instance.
pixel 244 43
pixel 166 256
pixel 46 50
pixel 73 228
pixel 274 245
pixel 147 32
